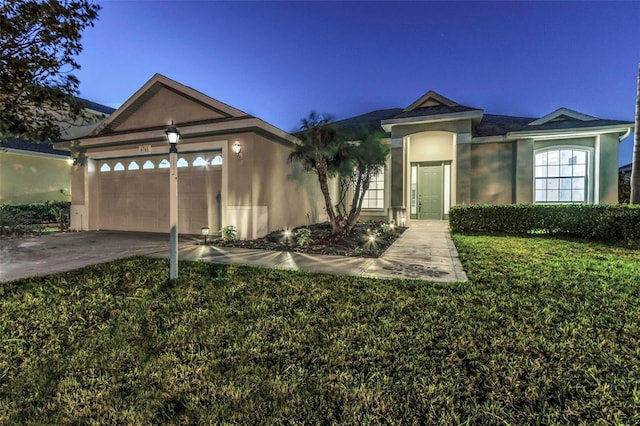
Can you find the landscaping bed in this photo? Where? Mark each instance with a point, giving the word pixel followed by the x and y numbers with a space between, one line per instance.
pixel 368 239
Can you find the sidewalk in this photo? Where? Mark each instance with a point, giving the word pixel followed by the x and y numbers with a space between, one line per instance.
pixel 424 251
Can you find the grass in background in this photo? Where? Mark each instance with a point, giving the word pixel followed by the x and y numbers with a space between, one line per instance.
pixel 546 331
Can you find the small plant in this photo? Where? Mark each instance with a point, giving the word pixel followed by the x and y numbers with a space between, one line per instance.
pixel 229 234
pixel 303 236
pixel 388 227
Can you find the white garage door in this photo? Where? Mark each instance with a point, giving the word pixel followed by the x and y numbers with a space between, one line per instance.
pixel 133 193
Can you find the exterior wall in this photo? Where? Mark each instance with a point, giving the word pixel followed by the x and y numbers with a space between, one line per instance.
pixel 609 146
pixel 266 192
pixel 491 173
pixel 524 171
pixel 26 178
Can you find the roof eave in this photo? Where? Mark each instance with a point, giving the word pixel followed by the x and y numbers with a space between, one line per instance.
pixel 387 125
pixel 234 126
pixel 570 133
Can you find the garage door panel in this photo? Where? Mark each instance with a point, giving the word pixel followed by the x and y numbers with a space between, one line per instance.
pixel 138 200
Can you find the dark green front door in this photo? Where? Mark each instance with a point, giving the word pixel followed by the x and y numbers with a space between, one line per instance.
pixel 430 192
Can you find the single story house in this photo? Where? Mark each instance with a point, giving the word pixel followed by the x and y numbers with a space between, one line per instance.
pixel 442 154
pixel 36 172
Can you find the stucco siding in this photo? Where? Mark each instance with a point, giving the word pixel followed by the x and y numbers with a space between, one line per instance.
pixel 28 178
pixel 491 173
pixel 609 146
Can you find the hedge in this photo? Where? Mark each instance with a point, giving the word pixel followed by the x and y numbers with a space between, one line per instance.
pixel 27 217
pixel 614 223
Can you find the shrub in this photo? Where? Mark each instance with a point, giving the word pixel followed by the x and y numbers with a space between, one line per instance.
pixel 229 234
pixel 303 236
pixel 30 217
pixel 596 222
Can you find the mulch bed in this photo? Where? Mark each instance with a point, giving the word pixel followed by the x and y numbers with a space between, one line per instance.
pixel 357 244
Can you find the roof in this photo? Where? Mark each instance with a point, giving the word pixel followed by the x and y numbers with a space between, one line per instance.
pixel 96 106
pixel 495 125
pixel 369 121
pixel 431 105
pixel 24 145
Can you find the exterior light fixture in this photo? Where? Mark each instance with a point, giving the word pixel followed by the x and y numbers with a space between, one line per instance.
pixel 372 238
pixel 173 136
pixel 205 231
pixel 287 234
pixel 237 148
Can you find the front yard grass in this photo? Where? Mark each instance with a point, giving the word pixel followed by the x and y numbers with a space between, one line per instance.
pixel 546 331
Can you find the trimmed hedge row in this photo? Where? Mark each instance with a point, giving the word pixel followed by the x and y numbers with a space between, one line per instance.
pixel 597 222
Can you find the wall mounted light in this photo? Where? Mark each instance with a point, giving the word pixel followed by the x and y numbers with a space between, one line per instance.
pixel 237 148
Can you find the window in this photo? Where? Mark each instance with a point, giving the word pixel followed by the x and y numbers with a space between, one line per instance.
pixel 148 165
pixel 164 164
pixel 374 197
pixel 105 168
pixel 183 163
pixel 561 176
pixel 199 162
pixel 217 160
pixel 118 167
pixel 133 166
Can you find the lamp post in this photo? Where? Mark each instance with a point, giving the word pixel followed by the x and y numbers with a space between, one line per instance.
pixel 173 135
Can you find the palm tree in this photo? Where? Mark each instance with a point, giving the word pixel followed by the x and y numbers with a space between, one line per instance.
pixel 635 168
pixel 320 145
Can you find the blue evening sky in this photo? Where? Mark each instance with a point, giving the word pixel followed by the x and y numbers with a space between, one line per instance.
pixel 280 60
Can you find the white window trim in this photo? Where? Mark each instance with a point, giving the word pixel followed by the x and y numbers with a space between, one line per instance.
pixel 589 175
pixel 383 190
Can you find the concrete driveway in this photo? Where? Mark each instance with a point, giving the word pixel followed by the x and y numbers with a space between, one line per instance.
pixel 44 254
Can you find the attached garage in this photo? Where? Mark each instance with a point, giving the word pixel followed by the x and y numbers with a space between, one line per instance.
pixel 121 177
pixel 132 193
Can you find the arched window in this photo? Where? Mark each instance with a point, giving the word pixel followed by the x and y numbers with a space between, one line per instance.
pixel 148 165
pixel 561 176
pixel 118 167
pixel 199 162
pixel 183 163
pixel 105 168
pixel 164 164
pixel 133 166
pixel 217 160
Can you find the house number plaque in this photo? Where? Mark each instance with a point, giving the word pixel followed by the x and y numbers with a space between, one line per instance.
pixel 144 148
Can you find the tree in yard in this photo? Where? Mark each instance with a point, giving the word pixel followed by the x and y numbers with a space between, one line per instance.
pixel 361 160
pixel 39 40
pixel 331 153
pixel 635 168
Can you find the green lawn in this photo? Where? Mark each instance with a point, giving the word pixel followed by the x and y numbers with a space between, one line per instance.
pixel 545 332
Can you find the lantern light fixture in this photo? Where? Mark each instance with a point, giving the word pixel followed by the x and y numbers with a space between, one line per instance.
pixel 237 148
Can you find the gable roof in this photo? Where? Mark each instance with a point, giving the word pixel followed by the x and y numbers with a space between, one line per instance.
pixel 145 102
pixel 433 103
pixel 563 114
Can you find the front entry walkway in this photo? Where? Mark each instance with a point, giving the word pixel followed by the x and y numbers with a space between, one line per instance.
pixel 424 251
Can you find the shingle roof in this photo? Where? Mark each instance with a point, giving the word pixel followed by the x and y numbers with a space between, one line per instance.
pixel 96 106
pixel 369 121
pixel 25 145
pixel 495 125
pixel 434 110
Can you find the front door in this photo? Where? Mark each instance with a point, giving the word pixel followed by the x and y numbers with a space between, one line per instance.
pixel 430 192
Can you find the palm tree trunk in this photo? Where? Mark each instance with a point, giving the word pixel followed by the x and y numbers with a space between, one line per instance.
pixel 635 168
pixel 323 178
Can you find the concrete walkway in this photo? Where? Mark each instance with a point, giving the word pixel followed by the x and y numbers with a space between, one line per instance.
pixel 424 251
